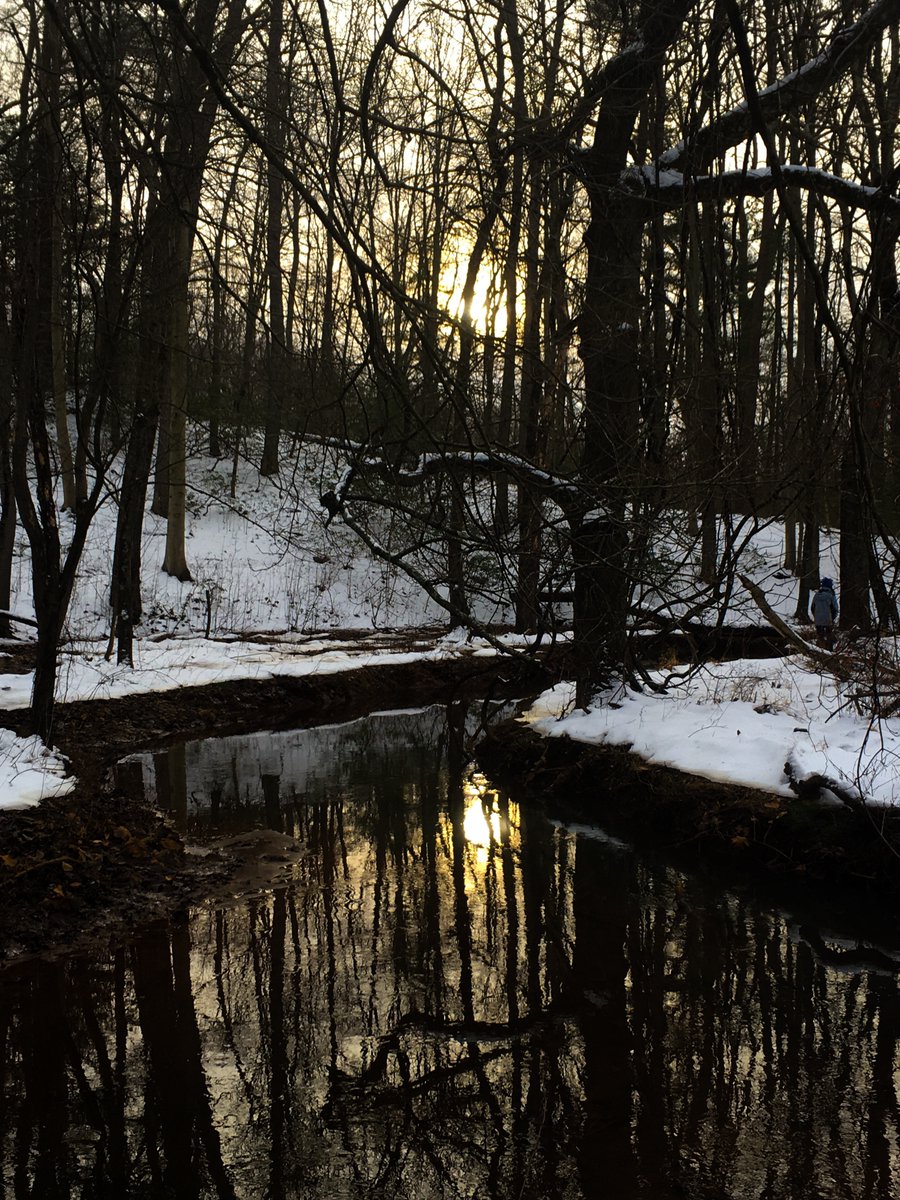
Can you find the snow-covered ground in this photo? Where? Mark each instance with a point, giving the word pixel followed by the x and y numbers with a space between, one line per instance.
pixel 265 563
pixel 741 722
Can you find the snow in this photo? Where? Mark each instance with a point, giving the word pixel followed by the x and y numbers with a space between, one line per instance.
pixel 739 722
pixel 195 662
pixel 595 516
pixel 664 179
pixel 278 592
pixel 661 178
pixel 29 772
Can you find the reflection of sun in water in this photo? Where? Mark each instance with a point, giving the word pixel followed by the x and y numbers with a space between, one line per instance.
pixel 482 822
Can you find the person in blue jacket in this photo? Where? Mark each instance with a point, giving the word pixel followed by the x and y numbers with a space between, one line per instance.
pixel 824 611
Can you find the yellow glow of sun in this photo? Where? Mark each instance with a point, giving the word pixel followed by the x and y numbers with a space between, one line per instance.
pixel 487 311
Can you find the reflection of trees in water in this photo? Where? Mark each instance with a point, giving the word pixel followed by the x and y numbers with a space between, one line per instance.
pixel 220 780
pixel 426 1013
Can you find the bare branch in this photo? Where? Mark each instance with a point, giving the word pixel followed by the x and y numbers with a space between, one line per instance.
pixel 799 87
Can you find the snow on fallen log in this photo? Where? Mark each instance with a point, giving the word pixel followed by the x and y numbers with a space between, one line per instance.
pixel 810 787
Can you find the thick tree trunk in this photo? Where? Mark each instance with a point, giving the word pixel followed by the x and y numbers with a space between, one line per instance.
pixel 878 386
pixel 809 567
pixel 751 314
pixel 854 559
pixel 609 336
pixel 107 390
pixel 709 425
pixel 790 544
pixel 609 330
pixel 506 403
pixel 33 312
pixel 214 397
pixel 58 367
pixel 39 518
pixel 217 332
pixel 529 505
pixel 152 368
pixel 159 505
pixel 31 442
pixel 813 418
pixel 168 242
pixel 49 165
pixel 126 574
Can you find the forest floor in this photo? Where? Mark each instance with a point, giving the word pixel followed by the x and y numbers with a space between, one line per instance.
pixel 89 867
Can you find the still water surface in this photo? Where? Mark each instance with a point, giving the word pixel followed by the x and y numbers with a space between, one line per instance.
pixel 452 997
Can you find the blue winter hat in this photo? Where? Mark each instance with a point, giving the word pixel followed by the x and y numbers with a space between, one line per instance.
pixel 826 582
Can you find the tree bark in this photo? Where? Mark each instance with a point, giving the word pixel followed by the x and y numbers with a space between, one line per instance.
pixel 609 347
pixel 50 165
pixel 274 211
pixel 751 314
pixel 853 549
pixel 7 491
pixel 529 505
pixel 175 561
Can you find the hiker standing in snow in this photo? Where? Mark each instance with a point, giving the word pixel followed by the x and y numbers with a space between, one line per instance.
pixel 824 610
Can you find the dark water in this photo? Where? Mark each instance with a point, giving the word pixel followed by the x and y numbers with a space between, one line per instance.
pixel 452 998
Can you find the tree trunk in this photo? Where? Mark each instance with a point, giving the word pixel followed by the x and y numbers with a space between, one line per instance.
pixel 7 492
pixel 274 210
pixel 126 574
pixel 159 505
pixel 217 332
pixel 50 166
pixel 40 520
pixel 812 424
pixel 609 329
pixel 709 423
pixel 152 369
pixel 790 545
pixel 105 393
pixel 175 561
pixel 751 314
pixel 165 280
pixel 58 366
pixel 38 508
pixel 529 505
pixel 214 397
pixel 809 568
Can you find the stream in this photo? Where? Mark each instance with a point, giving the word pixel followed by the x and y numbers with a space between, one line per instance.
pixel 446 996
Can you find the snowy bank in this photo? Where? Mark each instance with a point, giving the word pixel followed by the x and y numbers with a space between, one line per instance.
pixel 739 723
pixel 29 772
pixel 190 662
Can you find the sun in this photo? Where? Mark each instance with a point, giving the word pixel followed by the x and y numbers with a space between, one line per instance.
pixel 487 310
